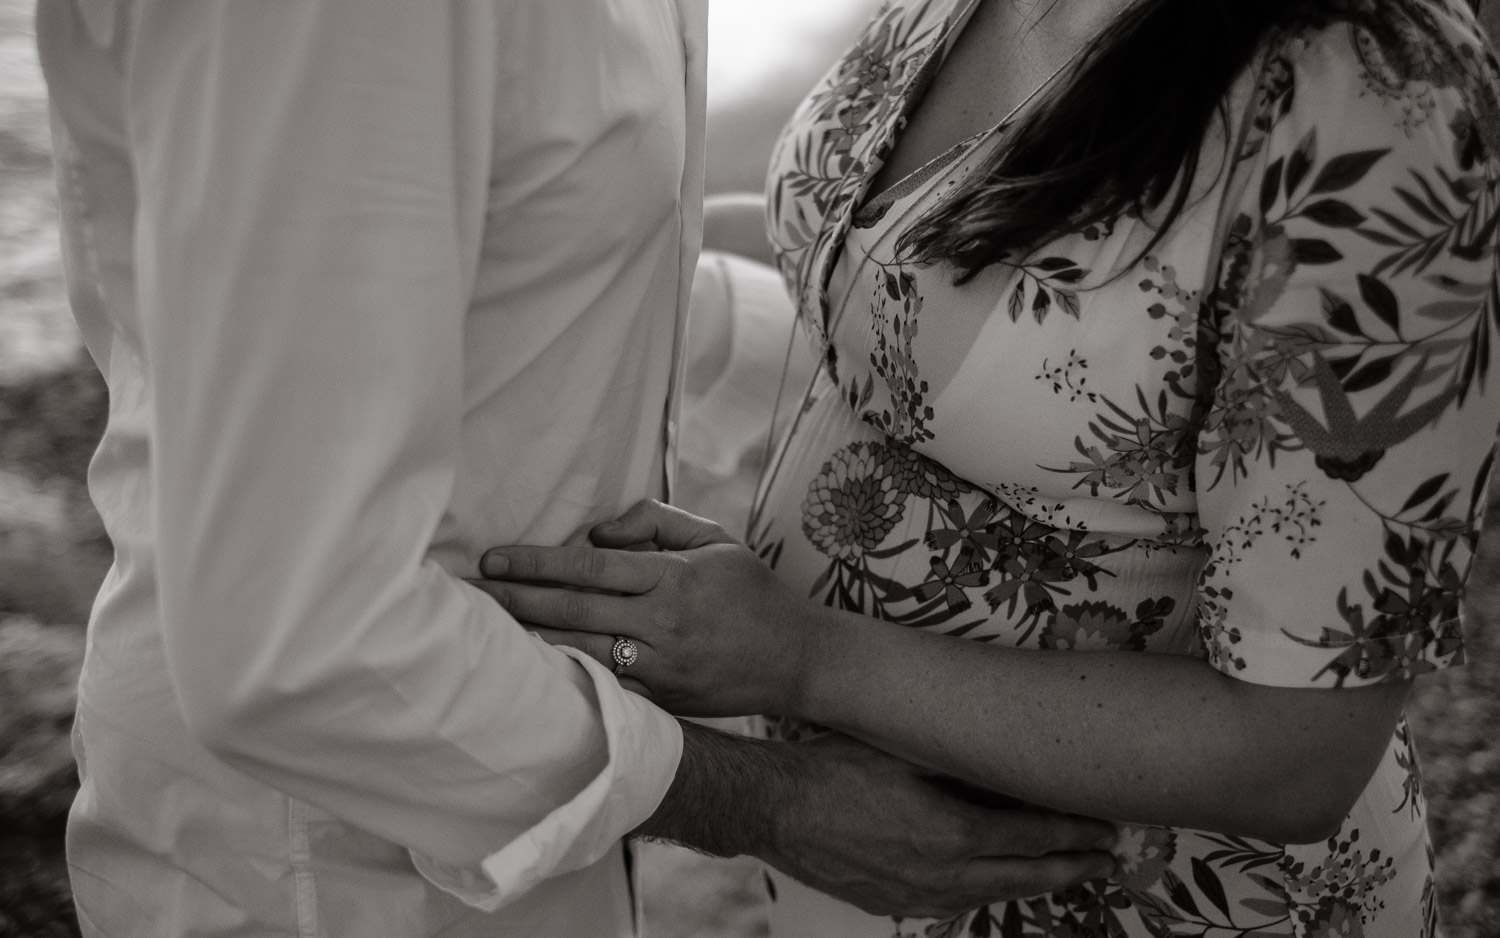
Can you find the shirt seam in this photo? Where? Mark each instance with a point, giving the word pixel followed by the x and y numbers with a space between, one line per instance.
pixel 303 879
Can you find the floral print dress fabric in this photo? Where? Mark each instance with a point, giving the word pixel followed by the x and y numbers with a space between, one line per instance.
pixel 1265 443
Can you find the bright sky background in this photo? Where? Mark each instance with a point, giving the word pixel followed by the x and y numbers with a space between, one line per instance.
pixel 763 56
pixel 751 40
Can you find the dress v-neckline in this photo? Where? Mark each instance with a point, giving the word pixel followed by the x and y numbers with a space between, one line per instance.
pixel 912 96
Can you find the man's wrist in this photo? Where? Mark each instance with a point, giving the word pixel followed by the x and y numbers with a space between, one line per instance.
pixel 723 799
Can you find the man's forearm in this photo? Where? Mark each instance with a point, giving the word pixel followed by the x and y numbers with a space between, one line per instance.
pixel 720 801
pixel 866 827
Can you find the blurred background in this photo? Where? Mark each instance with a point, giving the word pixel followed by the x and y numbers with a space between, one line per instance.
pixel 764 54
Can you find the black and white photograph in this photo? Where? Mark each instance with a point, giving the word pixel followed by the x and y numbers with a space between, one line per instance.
pixel 749 469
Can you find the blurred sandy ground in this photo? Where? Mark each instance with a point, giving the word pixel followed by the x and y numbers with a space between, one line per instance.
pixel 36 330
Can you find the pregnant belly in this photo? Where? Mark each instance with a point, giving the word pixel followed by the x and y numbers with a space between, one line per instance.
pixel 860 522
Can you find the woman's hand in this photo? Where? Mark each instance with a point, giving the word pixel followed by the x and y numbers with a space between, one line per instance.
pixel 718 634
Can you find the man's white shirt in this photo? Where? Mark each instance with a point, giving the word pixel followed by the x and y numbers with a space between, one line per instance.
pixel 374 287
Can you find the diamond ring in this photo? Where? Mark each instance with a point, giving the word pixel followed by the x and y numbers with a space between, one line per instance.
pixel 625 653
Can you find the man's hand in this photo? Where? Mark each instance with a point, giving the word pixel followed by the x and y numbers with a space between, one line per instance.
pixel 869 828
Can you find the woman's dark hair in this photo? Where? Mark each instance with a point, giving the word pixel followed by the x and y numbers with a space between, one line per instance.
pixel 1123 128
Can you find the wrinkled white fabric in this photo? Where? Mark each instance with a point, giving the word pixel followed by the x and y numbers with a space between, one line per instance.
pixel 375 286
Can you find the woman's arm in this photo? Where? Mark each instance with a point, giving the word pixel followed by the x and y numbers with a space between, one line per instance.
pixel 1158 739
pixel 735 222
pixel 1149 738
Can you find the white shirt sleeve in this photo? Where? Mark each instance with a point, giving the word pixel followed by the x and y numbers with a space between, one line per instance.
pixel 311 177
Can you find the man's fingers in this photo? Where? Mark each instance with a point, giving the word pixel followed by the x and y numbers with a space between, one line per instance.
pixel 989 880
pixel 669 528
pixel 1028 832
pixel 1005 878
pixel 620 571
pixel 558 608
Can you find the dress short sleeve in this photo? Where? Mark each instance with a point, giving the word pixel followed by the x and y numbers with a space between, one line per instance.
pixel 1342 465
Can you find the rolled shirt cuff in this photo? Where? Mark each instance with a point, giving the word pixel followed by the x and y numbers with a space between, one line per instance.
pixel 645 746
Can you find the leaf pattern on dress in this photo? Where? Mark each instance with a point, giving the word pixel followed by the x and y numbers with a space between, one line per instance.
pixel 892 359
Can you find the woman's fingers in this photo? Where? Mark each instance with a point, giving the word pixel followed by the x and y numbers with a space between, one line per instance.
pixel 636 687
pixel 667 527
pixel 616 570
pixel 594 645
pixel 558 608
pixel 598 647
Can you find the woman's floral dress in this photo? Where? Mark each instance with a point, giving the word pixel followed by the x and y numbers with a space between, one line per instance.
pixel 1264 444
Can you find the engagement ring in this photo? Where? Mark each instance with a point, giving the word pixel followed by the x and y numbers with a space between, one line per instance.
pixel 625 652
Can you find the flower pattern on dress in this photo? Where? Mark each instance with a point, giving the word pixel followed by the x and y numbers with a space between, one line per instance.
pixel 853 503
pixel 1144 855
pixel 1265 444
pixel 1097 625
